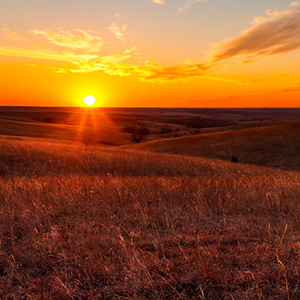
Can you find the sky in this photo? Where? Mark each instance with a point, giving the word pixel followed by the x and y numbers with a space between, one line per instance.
pixel 150 53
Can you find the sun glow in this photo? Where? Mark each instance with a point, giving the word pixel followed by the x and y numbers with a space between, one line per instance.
pixel 89 100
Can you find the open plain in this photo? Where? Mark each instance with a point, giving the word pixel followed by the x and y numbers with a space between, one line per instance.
pixel 85 213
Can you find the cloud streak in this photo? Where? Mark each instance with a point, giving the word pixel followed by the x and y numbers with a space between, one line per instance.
pixel 159 1
pixel 111 64
pixel 148 72
pixel 47 55
pixel 292 89
pixel 79 40
pixel 11 35
pixel 117 30
pixel 158 74
pixel 188 4
pixel 85 59
pixel 274 34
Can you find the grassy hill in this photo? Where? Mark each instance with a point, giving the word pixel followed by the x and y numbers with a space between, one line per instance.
pixel 275 146
pixel 64 133
pixel 165 219
pixel 110 126
pixel 82 222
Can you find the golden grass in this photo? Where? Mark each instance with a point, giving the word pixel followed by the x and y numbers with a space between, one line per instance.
pixel 274 146
pixel 71 133
pixel 89 223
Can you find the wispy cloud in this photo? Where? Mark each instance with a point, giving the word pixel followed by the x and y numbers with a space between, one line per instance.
pixel 84 56
pixel 276 33
pixel 118 65
pixel 79 40
pixel 118 30
pixel 159 1
pixel 111 64
pixel 291 89
pixel 47 55
pixel 155 73
pixel 149 71
pixel 129 50
pixel 188 4
pixel 11 35
pixel 85 59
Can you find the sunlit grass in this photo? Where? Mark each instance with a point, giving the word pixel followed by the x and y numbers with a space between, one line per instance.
pixel 81 222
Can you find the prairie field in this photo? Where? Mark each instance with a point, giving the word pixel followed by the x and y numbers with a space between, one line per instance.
pixel 169 218
pixel 150 150
pixel 83 222
pixel 275 146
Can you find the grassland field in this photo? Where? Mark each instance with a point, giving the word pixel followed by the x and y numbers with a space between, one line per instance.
pixel 168 218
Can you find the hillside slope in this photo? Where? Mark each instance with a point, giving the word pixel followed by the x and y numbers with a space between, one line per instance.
pixel 274 146
pixel 63 132
pixel 82 222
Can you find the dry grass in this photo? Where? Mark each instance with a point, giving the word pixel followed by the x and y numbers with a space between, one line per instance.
pixel 274 146
pixel 71 133
pixel 88 223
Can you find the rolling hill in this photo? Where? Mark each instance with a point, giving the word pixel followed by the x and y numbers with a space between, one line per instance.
pixel 95 222
pixel 274 146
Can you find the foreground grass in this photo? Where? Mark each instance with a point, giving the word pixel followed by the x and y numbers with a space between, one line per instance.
pixel 86 223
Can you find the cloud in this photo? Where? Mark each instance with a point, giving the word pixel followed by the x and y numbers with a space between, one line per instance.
pixel 159 1
pixel 117 30
pixel 295 3
pixel 274 34
pixel 110 64
pixel 58 70
pixel 85 58
pixel 154 73
pixel 47 55
pixel 30 65
pixel 150 72
pixel 79 40
pixel 130 50
pixel 188 4
pixel 11 35
pixel 116 65
pixel 290 89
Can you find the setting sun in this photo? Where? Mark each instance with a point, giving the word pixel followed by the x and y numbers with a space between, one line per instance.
pixel 89 100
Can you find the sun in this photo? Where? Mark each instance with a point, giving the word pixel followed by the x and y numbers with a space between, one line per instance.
pixel 89 100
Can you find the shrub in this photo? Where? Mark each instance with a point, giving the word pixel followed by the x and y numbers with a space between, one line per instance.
pixel 234 159
pixel 139 134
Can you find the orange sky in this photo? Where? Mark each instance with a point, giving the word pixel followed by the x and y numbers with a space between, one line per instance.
pixel 150 53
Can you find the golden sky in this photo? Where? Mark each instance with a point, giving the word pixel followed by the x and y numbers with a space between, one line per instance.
pixel 150 53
